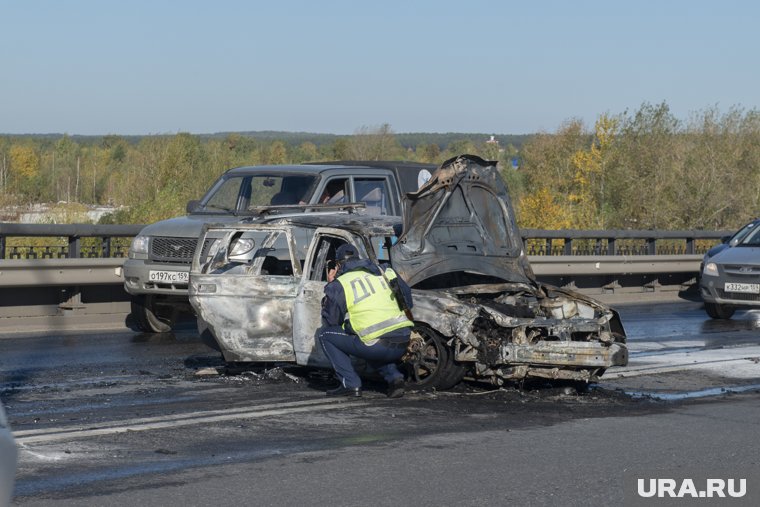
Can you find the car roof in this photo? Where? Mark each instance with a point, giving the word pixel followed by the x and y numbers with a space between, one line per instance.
pixel 320 167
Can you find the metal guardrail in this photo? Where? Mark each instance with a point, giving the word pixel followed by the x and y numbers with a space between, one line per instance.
pixel 60 272
pixel 100 241
pixel 68 242
pixel 619 242
pixel 76 272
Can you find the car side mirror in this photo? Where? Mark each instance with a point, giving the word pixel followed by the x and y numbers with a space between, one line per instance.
pixel 192 205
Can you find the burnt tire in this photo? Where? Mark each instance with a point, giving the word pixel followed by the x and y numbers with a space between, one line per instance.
pixel 717 311
pixel 433 366
pixel 150 317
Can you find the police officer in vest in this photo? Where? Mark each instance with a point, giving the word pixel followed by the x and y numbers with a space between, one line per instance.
pixel 361 318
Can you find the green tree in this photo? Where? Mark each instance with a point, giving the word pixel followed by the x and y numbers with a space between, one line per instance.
pixel 277 153
pixel 378 143
pixel 24 171
pixel 307 152
pixel 588 196
pixel 650 153
pixel 340 149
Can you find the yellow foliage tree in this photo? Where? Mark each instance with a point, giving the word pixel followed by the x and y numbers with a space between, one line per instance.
pixel 588 180
pixel 25 164
pixel 540 210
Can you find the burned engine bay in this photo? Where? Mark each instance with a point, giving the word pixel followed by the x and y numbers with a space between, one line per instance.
pixel 516 331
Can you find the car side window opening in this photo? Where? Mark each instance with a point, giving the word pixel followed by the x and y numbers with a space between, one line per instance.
pixel 276 258
pixel 382 247
pixel 270 255
pixel 325 253
pixel 335 191
pixel 374 194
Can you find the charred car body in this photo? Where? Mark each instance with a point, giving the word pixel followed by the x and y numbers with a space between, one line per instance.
pixel 478 309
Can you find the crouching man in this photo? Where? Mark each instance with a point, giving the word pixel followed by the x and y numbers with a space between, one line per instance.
pixel 361 318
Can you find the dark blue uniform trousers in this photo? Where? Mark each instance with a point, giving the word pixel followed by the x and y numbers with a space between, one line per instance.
pixel 382 356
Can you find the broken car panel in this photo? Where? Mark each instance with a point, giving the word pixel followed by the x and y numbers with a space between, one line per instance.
pixel 478 309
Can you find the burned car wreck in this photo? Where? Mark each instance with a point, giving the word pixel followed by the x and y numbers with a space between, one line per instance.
pixel 478 309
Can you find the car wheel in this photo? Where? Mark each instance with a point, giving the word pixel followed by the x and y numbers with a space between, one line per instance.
pixel 150 317
pixel 717 311
pixel 432 364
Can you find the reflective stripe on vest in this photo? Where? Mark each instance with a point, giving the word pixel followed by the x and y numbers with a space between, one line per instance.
pixel 371 304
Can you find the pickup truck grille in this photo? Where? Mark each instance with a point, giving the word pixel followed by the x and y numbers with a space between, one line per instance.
pixel 175 250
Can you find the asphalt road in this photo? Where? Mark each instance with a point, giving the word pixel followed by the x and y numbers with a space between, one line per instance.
pixel 121 418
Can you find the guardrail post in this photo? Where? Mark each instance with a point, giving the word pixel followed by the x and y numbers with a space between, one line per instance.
pixel 2 247
pixel 568 246
pixel 611 246
pixel 72 299
pixel 651 246
pixel 74 247
pixel 106 244
pixel 689 246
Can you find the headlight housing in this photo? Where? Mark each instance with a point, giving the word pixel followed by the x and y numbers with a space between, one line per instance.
pixel 241 246
pixel 711 269
pixel 139 246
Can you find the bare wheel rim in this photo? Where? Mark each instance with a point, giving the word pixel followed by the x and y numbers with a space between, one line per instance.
pixel 430 360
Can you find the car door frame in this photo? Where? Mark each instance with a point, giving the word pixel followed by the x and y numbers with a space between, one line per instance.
pixel 307 315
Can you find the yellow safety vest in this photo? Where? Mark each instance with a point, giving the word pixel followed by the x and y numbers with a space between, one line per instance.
pixel 371 304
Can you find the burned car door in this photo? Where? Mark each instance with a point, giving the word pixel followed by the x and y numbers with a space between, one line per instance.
pixel 244 288
pixel 307 312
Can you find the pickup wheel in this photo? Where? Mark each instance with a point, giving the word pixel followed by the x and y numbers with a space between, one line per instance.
pixel 151 317
pixel 432 364
pixel 717 311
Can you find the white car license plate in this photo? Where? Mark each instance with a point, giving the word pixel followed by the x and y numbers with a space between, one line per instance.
pixel 169 276
pixel 750 288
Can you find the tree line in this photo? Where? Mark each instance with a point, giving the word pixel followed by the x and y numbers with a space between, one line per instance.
pixel 642 169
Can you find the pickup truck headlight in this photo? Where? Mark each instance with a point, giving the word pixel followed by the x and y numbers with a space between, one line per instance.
pixel 711 269
pixel 139 246
pixel 241 246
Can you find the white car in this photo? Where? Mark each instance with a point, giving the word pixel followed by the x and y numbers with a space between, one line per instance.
pixel 8 456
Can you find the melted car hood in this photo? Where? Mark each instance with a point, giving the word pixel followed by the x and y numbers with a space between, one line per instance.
pixel 460 229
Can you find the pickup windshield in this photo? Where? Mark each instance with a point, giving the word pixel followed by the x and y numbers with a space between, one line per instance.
pixel 241 192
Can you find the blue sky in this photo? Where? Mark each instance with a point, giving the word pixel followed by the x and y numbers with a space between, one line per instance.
pixel 502 67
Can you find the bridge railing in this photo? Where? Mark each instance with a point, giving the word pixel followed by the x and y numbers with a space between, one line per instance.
pixel 72 241
pixel 619 242
pixel 65 241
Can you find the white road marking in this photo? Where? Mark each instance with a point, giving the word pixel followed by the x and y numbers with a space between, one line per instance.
pixel 178 420
pixel 733 362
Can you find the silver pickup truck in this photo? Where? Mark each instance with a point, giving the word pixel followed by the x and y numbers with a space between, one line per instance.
pixel 156 272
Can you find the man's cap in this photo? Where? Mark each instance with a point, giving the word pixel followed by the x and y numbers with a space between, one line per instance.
pixel 344 252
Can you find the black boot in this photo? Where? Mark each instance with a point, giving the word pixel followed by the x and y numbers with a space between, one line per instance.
pixel 396 388
pixel 345 391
